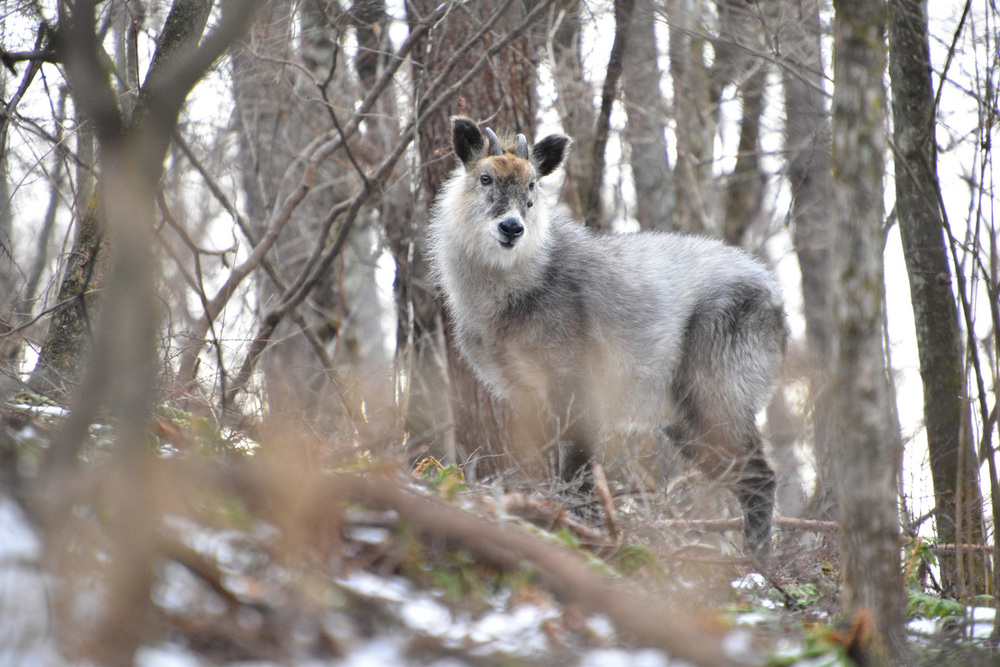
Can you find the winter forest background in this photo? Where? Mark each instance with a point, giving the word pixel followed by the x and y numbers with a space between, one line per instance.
pixel 215 314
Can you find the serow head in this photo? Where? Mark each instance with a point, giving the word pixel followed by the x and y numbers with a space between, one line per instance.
pixel 500 178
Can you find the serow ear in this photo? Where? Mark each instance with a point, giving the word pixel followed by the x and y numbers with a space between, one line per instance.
pixel 466 139
pixel 549 153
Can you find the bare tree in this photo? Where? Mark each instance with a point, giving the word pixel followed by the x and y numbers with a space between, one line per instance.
pixel 574 99
pixel 644 104
pixel 741 34
pixel 807 144
pixel 952 457
pixel 868 452
pixel 593 213
pixel 694 112
pixel 119 375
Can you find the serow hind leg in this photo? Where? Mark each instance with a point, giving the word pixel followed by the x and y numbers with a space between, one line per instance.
pixel 755 492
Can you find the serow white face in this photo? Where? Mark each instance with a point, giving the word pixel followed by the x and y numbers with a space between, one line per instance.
pixel 499 192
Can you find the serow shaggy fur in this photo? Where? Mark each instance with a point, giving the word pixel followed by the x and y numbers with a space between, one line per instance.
pixel 588 335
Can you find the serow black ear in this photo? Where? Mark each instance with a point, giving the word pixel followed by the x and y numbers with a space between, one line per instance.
pixel 549 153
pixel 466 138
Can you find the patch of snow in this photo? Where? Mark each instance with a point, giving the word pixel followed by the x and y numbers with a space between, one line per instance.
pixel 41 410
pixel 178 591
pixel 978 624
pixel 981 619
pixel 601 626
pixel 738 645
pixel 616 657
pixel 750 582
pixel 165 655
pixel 517 632
pixel 366 584
pixel 18 541
pixel 426 615
pixel 367 534
pixel 378 652
pixel 218 545
pixel 25 633
pixel 752 618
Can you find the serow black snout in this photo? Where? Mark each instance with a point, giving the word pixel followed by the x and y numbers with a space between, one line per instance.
pixel 510 230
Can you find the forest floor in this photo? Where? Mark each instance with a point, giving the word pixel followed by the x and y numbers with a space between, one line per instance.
pixel 363 563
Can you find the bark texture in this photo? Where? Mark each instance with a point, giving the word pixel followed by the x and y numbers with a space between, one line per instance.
pixel 868 455
pixel 654 188
pixel 70 332
pixel 952 456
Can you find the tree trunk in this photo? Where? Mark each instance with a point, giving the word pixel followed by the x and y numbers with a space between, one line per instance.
pixel 69 335
pixel 282 109
pixel 740 36
pixel 807 145
pixel 504 95
pixel 867 457
pixel 654 180
pixel 593 214
pixel 575 103
pixel 934 313
pixel 694 115
pixel 10 349
pixel 120 374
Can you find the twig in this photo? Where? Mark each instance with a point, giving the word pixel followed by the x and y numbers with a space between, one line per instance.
pixel 550 515
pixel 607 504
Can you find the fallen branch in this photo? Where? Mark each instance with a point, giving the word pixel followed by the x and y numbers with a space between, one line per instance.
pixel 651 621
pixel 736 523
pixel 607 503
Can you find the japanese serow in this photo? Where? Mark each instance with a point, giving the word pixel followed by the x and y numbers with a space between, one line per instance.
pixel 589 334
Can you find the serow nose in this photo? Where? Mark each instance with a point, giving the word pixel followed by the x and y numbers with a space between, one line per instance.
pixel 510 229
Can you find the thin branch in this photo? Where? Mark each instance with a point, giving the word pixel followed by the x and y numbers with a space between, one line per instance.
pixel 54 307
pixel 736 523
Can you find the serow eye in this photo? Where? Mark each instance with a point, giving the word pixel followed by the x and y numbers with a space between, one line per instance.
pixel 486 179
pixel 531 185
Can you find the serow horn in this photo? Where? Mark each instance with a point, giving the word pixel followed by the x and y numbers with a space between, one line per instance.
pixel 494 143
pixel 522 147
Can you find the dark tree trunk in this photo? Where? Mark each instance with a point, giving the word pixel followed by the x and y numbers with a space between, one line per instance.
pixel 739 37
pixel 503 96
pixel 745 186
pixel 868 452
pixel 593 214
pixel 934 313
pixel 71 328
